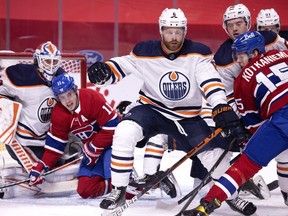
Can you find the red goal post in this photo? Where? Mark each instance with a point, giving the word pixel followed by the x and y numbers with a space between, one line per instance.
pixel 71 62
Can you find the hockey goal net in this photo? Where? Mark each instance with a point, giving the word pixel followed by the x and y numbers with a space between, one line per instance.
pixel 73 63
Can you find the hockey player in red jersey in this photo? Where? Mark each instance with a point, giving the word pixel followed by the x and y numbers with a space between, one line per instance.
pixel 176 71
pixel 261 94
pixel 236 21
pixel 86 114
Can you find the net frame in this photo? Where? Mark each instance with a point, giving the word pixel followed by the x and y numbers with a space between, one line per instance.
pixel 70 62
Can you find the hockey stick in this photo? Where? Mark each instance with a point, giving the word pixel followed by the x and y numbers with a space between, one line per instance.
pixel 273 185
pixel 205 181
pixel 162 174
pixel 45 174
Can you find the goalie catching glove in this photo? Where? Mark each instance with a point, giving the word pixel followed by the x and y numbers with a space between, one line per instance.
pixel 99 73
pixel 225 118
pixel 36 174
pixel 91 153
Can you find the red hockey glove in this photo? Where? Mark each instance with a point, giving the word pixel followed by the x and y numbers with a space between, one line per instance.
pixel 92 153
pixel 36 174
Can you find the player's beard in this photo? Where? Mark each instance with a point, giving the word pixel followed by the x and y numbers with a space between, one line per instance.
pixel 172 45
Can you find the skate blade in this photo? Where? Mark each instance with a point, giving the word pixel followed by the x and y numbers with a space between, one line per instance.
pixel 113 212
pixel 259 181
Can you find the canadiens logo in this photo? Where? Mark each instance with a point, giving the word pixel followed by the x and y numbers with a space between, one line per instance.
pixel 174 85
pixel 45 109
pixel 86 131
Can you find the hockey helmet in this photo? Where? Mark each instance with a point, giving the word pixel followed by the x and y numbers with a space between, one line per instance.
pixel 268 17
pixel 48 58
pixel 237 11
pixel 172 18
pixel 248 42
pixel 63 83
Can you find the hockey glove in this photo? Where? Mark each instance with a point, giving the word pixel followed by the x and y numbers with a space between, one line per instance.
pixel 226 118
pixel 91 153
pixel 36 174
pixel 99 73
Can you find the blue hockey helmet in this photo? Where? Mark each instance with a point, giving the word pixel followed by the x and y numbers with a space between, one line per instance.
pixel 248 42
pixel 63 83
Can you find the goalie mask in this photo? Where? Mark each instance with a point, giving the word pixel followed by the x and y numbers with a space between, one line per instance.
pixel 268 17
pixel 48 59
pixel 172 18
pixel 63 83
pixel 234 12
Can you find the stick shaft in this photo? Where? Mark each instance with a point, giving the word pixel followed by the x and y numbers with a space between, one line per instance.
pixel 46 173
pixel 162 174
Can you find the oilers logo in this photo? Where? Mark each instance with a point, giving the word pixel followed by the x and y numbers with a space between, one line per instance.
pixel 45 109
pixel 174 85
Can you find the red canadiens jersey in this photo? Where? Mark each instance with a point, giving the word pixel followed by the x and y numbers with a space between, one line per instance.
pixel 262 88
pixel 94 120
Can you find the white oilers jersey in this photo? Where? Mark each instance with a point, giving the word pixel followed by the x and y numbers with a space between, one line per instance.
pixel 229 69
pixel 23 84
pixel 206 113
pixel 173 84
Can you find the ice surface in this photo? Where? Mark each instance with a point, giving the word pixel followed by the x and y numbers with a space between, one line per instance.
pixel 152 205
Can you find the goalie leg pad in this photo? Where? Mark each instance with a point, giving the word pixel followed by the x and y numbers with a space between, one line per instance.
pixel 9 116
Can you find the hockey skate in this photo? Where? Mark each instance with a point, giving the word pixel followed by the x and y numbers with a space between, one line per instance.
pixel 285 196
pixel 242 206
pixel 257 187
pixel 204 209
pixel 115 199
pixel 166 184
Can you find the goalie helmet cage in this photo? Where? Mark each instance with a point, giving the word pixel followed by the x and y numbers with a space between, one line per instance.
pixel 70 62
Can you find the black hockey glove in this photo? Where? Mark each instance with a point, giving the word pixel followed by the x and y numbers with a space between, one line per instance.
pixel 226 118
pixel 99 73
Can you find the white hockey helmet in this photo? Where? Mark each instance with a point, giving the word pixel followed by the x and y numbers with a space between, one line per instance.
pixel 237 11
pixel 267 17
pixel 48 58
pixel 172 18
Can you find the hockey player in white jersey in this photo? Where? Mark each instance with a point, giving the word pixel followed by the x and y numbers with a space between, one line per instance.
pixel 269 20
pixel 176 71
pixel 29 85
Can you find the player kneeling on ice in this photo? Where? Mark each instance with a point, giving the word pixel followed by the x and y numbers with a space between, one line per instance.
pixel 86 114
pixel 261 94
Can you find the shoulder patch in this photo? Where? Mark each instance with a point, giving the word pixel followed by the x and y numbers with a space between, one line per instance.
pixel 149 48
pixel 269 36
pixel 223 56
pixel 24 75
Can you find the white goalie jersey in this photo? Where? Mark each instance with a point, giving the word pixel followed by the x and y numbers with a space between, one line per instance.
pixel 173 83
pixel 22 83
